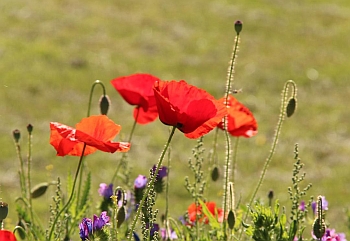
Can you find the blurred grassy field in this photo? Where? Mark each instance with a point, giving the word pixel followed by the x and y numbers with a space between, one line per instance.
pixel 51 52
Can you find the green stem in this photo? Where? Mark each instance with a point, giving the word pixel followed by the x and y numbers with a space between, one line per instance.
pixel 124 155
pixel 227 170
pixel 231 69
pixel 229 83
pixel 21 172
pixel 273 146
pixel 167 193
pixel 150 184
pixel 71 195
pixel 97 82
pixel 29 160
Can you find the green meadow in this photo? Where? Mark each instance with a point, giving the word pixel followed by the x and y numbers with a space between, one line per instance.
pixel 52 51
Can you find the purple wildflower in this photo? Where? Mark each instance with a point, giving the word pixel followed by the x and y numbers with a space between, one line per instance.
pixel 100 222
pixel 170 235
pixel 140 182
pixel 105 190
pixel 159 183
pixel 162 172
pixel 155 228
pixel 331 235
pixel 85 228
pixel 302 206
pixel 324 205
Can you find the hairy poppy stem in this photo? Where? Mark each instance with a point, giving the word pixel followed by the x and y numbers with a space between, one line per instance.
pixel 167 193
pixel 22 177
pixel 29 161
pixel 71 195
pixel 274 144
pixel 229 83
pixel 227 172
pixel 150 184
pixel 97 82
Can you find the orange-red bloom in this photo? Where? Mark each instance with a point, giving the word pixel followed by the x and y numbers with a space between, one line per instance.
pixel 241 121
pixel 194 211
pixel 6 235
pixel 192 110
pixel 96 132
pixel 137 90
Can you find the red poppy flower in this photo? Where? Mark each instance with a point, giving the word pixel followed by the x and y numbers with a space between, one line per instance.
pixel 95 131
pixel 194 210
pixel 6 235
pixel 137 90
pixel 241 121
pixel 192 110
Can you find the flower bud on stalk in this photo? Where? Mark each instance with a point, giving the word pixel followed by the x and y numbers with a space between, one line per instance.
pixel 3 211
pixel 215 174
pixel 104 104
pixel 39 190
pixel 238 26
pixel 16 135
pixel 29 128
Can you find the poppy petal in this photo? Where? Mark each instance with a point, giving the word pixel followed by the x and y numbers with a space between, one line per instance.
pixel 94 132
pixel 99 127
pixel 145 116
pixel 196 115
pixel 210 124
pixel 7 235
pixel 194 111
pixel 101 145
pixel 241 121
pixel 137 90
pixel 167 112
pixel 134 87
pixel 62 138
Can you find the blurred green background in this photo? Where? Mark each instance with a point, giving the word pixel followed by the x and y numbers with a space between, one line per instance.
pixel 51 52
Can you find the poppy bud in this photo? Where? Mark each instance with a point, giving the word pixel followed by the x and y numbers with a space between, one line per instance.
pixel 270 194
pixel 238 26
pixel 39 190
pixel 121 214
pixel 20 229
pixel 319 228
pixel 215 174
pixel 29 128
pixel 292 104
pixel 3 210
pixel 231 219
pixel 16 135
pixel 104 104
